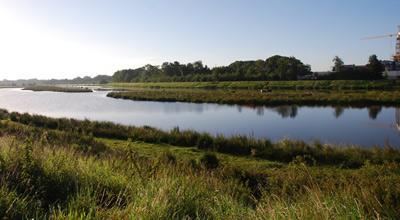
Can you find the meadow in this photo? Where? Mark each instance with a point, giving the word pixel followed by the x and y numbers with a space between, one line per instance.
pixel 71 169
pixel 269 98
pixel 273 85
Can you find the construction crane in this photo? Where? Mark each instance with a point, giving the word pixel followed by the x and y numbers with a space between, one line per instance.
pixel 396 56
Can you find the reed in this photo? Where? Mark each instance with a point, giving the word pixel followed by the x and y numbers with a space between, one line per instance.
pixel 41 88
pixel 257 98
pixel 274 85
pixel 67 130
pixel 51 181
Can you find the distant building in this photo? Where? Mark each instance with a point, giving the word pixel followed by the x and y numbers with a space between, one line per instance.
pixel 350 67
pixel 391 65
pixel 392 69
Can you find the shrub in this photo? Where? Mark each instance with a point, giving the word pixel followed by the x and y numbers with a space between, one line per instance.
pixel 209 161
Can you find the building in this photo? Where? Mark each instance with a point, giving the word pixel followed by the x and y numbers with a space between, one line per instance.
pixel 392 69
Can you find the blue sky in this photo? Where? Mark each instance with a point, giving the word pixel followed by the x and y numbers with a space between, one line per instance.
pixel 69 38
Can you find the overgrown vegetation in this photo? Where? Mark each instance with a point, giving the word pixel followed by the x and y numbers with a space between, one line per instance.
pixel 43 176
pixel 283 151
pixel 57 88
pixel 270 98
pixel 270 85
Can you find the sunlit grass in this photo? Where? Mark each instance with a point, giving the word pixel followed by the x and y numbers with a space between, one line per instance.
pixel 271 98
pixel 52 174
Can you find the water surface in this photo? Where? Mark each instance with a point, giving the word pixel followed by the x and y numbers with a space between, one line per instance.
pixel 363 126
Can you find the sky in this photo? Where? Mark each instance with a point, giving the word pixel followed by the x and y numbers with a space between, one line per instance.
pixel 68 38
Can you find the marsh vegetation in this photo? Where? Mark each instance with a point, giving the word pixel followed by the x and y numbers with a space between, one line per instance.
pixel 40 88
pixel 265 97
pixel 61 168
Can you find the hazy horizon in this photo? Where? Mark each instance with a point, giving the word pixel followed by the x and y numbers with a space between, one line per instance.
pixel 66 39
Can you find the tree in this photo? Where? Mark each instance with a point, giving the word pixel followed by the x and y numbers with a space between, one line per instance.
pixel 273 68
pixel 337 64
pixel 375 66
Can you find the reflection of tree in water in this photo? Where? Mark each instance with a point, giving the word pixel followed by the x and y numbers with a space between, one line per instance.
pixel 260 111
pixel 286 111
pixel 338 111
pixel 374 111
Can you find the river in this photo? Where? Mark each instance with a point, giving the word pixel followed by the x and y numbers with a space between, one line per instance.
pixel 363 126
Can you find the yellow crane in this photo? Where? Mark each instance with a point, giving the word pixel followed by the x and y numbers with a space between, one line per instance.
pixel 396 56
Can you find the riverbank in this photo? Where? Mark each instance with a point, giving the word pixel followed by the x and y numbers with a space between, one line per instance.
pixel 57 89
pixel 62 168
pixel 267 98
pixel 270 85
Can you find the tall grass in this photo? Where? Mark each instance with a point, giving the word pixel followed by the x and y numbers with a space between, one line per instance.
pixel 275 85
pixel 44 181
pixel 39 88
pixel 84 132
pixel 272 98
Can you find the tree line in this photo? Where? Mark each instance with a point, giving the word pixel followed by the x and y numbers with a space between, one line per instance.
pixel 274 68
pixel 99 79
pixel 373 70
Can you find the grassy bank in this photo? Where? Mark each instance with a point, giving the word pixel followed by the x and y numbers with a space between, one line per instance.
pixel 274 85
pixel 50 173
pixel 254 97
pixel 57 89
pixel 282 151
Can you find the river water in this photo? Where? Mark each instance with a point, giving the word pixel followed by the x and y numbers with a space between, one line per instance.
pixel 363 126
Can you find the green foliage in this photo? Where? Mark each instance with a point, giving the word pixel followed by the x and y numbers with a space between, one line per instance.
pixel 269 85
pixel 74 133
pixel 57 89
pixel 375 66
pixel 372 71
pixel 337 64
pixel 54 180
pixel 272 98
pixel 273 68
pixel 209 161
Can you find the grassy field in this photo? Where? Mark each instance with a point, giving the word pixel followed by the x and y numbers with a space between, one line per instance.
pixel 274 85
pixel 255 97
pixel 57 89
pixel 70 173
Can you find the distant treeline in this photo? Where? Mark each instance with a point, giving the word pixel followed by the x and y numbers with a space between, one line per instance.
pixel 274 68
pixel 373 70
pixel 100 79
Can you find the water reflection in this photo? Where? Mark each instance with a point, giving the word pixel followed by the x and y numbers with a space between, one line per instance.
pixel 338 111
pixel 364 126
pixel 291 111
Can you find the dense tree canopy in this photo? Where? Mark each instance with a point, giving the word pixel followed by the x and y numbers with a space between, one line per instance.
pixel 273 68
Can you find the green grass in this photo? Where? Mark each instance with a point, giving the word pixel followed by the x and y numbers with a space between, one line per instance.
pixel 81 136
pixel 57 89
pixel 63 169
pixel 273 98
pixel 135 180
pixel 275 85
